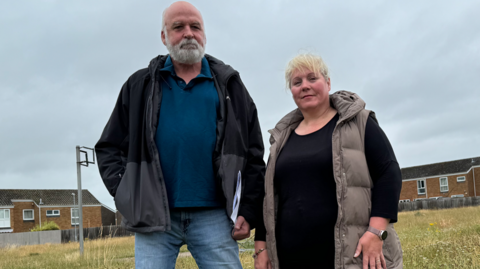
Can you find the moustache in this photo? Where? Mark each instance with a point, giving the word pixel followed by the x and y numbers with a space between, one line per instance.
pixel 189 44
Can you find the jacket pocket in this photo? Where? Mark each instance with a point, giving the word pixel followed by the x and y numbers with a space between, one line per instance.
pixel 120 194
pixel 142 200
pixel 121 176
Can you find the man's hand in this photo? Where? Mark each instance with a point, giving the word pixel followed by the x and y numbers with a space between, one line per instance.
pixel 242 229
pixel 262 261
pixel 371 246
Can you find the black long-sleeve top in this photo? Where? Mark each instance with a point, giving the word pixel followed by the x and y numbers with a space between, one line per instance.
pixel 307 192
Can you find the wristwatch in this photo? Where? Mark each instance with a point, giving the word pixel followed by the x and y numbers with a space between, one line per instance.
pixel 380 233
pixel 258 252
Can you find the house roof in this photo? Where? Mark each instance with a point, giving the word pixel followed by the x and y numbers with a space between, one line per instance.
pixel 438 169
pixel 49 197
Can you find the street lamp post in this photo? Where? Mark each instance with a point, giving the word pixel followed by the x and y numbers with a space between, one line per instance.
pixel 79 183
pixel 75 226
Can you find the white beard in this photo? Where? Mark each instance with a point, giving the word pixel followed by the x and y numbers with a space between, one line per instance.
pixel 188 51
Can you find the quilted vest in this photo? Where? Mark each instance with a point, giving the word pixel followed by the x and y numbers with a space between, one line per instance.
pixel 352 179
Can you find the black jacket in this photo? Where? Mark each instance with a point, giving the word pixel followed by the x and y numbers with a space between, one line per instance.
pixel 128 158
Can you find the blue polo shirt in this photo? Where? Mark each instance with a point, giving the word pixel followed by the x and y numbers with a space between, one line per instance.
pixel 186 137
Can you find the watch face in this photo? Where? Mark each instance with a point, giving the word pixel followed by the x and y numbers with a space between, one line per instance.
pixel 384 235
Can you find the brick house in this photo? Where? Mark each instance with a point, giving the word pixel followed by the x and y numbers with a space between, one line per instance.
pixel 21 210
pixel 460 178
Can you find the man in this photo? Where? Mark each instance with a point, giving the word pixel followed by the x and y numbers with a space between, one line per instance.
pixel 182 132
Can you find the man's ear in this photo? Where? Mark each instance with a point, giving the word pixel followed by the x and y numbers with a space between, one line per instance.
pixel 163 38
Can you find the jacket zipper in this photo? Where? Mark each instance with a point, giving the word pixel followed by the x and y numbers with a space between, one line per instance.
pixel 155 157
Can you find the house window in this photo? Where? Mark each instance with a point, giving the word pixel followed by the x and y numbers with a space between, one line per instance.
pixel 75 216
pixel 4 218
pixel 28 214
pixel 458 196
pixel 443 184
pixel 460 179
pixel 53 213
pixel 421 186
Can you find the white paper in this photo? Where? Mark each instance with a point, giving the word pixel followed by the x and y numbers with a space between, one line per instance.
pixel 236 198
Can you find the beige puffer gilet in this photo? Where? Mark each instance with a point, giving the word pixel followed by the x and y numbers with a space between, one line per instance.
pixel 352 179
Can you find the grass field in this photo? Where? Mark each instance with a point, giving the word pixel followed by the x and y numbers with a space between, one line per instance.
pixel 430 239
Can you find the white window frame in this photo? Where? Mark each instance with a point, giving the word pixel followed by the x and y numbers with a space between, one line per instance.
pixel 420 199
pixel 72 218
pixel 445 187
pixel 5 219
pixel 55 213
pixel 424 187
pixel 459 179
pixel 458 195
pixel 33 214
pixel 435 198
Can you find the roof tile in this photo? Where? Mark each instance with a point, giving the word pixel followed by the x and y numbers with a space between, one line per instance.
pixel 49 197
pixel 438 169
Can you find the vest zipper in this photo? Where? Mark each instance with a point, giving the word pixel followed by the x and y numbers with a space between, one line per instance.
pixel 342 177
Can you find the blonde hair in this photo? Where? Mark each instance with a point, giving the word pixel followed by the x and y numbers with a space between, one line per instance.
pixel 306 62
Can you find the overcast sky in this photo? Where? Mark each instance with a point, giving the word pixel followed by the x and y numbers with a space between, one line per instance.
pixel 62 64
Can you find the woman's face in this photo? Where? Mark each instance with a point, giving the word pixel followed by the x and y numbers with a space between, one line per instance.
pixel 309 90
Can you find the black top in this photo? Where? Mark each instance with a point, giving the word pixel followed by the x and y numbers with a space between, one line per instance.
pixel 308 208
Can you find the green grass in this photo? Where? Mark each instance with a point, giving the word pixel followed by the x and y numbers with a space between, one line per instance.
pixel 430 239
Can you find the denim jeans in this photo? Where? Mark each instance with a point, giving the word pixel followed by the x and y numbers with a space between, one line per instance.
pixel 207 233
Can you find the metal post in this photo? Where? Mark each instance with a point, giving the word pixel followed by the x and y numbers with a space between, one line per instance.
pixel 79 182
pixel 75 226
pixel 80 215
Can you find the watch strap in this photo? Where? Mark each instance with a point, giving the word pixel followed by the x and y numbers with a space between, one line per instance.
pixel 376 232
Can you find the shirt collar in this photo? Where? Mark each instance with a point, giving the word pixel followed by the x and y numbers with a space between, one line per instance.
pixel 204 72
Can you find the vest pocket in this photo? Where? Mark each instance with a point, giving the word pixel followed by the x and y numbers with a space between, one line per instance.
pixel 386 254
pixel 391 249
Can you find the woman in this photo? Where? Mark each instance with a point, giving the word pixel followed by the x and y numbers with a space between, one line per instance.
pixel 332 183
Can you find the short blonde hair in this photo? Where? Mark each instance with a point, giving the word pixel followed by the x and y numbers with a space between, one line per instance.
pixel 303 62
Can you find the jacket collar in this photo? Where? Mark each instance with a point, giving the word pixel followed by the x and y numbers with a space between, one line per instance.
pixel 219 69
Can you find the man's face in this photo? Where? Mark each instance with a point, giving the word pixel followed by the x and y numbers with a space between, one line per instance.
pixel 183 34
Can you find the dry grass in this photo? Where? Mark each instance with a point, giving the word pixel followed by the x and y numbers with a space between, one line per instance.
pixel 430 239
pixel 448 238
pixel 102 253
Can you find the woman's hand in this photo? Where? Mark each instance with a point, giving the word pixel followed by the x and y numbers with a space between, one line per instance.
pixel 371 246
pixel 262 261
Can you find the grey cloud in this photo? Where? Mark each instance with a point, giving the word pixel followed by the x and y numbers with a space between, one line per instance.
pixel 62 64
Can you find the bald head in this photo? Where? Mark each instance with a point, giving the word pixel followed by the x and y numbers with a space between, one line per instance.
pixel 180 9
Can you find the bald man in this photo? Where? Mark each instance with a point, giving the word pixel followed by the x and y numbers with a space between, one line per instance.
pixel 183 133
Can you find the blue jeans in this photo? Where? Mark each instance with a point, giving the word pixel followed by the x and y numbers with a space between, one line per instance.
pixel 207 232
